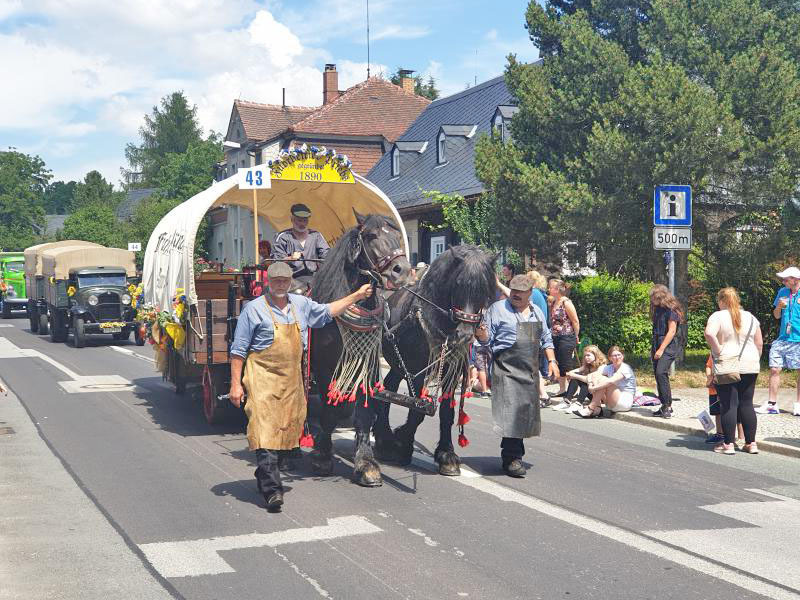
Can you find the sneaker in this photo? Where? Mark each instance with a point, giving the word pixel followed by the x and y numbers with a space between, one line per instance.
pixel 724 448
pixel 796 409
pixel 664 412
pixel 750 448
pixel 715 438
pixel 487 394
pixel 563 406
pixel 768 408
pixel 515 468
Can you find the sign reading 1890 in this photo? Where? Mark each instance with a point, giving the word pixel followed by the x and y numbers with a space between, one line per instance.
pixel 672 238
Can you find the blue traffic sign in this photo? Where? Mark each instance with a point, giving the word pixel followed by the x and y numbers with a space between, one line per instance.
pixel 672 205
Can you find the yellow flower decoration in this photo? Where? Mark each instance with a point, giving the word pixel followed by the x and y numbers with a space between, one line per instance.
pixel 71 291
pixel 179 310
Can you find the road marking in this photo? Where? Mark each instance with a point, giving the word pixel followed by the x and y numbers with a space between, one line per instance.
pixel 767 550
pixel 742 574
pixel 78 384
pixel 130 352
pixel 6 325
pixel 193 558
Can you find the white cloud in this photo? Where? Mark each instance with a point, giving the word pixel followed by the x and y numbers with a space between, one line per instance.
pixel 399 32
pixel 351 73
pixel 9 8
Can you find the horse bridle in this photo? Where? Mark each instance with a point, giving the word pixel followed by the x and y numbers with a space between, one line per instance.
pixel 456 315
pixel 378 267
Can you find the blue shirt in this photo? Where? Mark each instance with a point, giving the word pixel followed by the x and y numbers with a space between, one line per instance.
pixel 537 297
pixel 254 330
pixel 503 321
pixel 790 315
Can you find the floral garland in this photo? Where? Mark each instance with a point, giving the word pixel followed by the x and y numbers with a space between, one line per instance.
pixel 323 155
pixel 137 295
pixel 71 291
pixel 173 323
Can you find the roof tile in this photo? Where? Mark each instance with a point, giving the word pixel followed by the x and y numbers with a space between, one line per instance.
pixel 266 121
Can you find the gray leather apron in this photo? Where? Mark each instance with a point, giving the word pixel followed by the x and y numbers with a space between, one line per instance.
pixel 515 385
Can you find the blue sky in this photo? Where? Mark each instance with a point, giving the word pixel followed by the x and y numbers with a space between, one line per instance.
pixel 83 73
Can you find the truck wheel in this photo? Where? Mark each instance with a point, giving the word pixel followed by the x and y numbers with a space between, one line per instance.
pixel 33 318
pixel 78 333
pixel 58 330
pixel 213 409
pixel 44 325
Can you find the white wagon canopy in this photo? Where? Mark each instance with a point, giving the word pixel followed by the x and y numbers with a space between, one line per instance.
pixel 320 180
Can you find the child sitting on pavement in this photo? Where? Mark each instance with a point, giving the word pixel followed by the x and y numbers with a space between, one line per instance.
pixel 614 386
pixel 593 361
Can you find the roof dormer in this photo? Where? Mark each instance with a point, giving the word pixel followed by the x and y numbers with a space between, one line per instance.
pixel 501 120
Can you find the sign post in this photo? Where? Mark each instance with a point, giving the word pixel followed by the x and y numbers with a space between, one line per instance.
pixel 255 178
pixel 672 223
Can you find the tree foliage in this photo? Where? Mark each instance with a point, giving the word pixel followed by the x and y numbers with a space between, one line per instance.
pixel 470 219
pixel 94 222
pixel 169 129
pixel 422 87
pixel 95 190
pixel 58 197
pixel 631 94
pixel 23 179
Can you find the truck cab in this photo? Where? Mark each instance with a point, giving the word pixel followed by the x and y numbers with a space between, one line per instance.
pixel 12 284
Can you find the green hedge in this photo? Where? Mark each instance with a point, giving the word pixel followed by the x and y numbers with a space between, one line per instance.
pixel 613 310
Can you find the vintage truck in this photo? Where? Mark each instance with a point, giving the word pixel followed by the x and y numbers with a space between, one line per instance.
pixel 87 291
pixel 12 283
pixel 34 282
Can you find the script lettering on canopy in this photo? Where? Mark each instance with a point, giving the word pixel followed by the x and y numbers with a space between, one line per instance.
pixel 315 169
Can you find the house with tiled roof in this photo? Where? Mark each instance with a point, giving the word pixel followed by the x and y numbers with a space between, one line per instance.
pixel 437 153
pixel 361 122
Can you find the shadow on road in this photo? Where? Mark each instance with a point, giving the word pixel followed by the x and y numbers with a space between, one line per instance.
pixel 688 440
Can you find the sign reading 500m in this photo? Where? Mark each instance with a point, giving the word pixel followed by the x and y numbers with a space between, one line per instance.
pixel 314 169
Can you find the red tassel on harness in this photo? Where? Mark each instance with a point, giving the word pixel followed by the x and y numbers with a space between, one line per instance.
pixel 462 440
pixel 306 441
pixel 468 394
pixel 452 403
pixel 463 418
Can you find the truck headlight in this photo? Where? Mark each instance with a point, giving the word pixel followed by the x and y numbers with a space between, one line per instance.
pixel 126 298
pixel 92 300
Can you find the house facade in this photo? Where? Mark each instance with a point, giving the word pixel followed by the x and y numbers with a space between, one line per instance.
pixel 437 153
pixel 361 122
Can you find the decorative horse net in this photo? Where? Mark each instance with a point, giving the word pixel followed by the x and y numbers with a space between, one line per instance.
pixel 358 369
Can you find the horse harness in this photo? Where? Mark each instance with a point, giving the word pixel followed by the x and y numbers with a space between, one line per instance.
pixel 377 267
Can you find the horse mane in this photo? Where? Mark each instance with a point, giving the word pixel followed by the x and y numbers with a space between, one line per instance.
pixel 338 276
pixel 460 273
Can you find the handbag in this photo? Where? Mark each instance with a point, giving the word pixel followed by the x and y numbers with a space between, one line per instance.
pixel 726 370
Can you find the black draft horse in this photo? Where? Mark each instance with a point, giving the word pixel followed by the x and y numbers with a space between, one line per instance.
pixel 373 250
pixel 463 283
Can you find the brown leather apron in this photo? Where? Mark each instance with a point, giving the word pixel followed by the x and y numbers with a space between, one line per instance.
pixel 276 402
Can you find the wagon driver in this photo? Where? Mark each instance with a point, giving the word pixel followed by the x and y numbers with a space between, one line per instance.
pixel 299 243
pixel 517 333
pixel 268 345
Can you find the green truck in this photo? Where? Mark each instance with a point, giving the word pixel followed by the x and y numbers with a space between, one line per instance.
pixel 12 283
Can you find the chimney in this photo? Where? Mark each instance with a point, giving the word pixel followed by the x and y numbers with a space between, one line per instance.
pixel 407 80
pixel 330 84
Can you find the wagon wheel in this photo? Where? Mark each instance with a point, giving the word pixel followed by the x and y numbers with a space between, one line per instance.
pixel 212 408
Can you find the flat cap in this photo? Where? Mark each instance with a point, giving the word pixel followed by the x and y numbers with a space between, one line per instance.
pixel 521 283
pixel 300 210
pixel 279 269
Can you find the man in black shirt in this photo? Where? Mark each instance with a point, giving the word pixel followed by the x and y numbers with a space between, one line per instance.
pixel 299 243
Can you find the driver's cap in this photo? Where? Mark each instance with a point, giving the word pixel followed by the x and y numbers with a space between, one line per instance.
pixel 279 269
pixel 301 210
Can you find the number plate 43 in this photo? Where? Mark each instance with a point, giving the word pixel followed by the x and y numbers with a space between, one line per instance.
pixel 254 178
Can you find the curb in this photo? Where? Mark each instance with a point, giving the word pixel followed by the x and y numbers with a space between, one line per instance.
pixel 668 425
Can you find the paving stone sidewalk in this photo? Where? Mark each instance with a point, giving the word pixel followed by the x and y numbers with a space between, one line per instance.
pixel 776 433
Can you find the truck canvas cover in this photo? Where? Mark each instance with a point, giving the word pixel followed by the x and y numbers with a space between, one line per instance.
pixel 58 262
pixel 33 255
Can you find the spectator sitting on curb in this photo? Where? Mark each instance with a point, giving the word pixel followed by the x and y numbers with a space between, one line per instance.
pixel 614 386
pixel 785 351
pixel 593 360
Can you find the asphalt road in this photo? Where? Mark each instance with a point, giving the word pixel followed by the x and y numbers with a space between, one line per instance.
pixel 608 509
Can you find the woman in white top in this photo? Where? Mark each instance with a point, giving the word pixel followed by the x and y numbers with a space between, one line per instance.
pixel 614 386
pixel 730 331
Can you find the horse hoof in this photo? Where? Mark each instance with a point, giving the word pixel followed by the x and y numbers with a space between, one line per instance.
pixel 449 463
pixel 368 475
pixel 322 464
pixel 405 455
pixel 384 452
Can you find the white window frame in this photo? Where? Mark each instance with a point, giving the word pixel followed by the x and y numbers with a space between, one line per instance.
pixel 441 147
pixel 435 241
pixel 395 162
